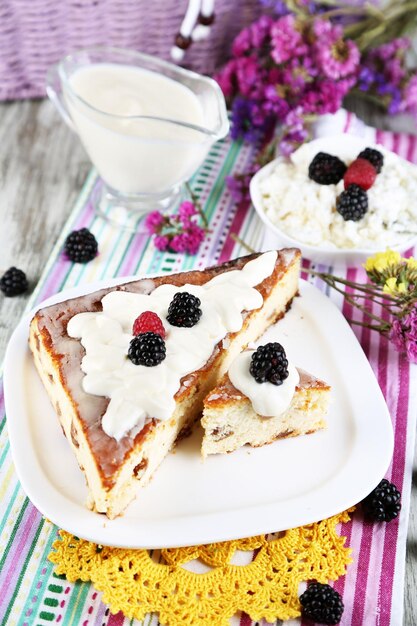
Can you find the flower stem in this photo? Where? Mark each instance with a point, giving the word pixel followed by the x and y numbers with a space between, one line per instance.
pixel 381 328
pixel 330 279
pixel 197 204
pixel 242 243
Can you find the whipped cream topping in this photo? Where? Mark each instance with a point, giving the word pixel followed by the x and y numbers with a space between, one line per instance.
pixel 306 211
pixel 267 399
pixel 137 392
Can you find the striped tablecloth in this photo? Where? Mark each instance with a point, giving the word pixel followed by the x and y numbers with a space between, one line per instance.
pixel 30 593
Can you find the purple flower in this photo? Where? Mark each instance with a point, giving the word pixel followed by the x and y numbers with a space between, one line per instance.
pixel 279 7
pixel 292 140
pixel 394 94
pixel 247 120
pixel 388 50
pixel 295 132
pixel 410 96
pixel 274 104
pixel 238 190
pixel 161 242
pixel 403 335
pixel 154 221
pixel 227 79
pixel 384 73
pixel 395 70
pixel 287 41
pixel 367 76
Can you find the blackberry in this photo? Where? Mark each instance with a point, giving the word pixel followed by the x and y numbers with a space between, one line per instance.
pixel 184 310
pixel 374 157
pixel 269 363
pixel 352 204
pixel 326 169
pixel 147 349
pixel 322 604
pixel 13 282
pixel 383 503
pixel 81 246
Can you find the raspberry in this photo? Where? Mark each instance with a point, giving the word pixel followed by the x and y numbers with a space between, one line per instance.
pixel 269 363
pixel 81 246
pixel 360 172
pixel 13 282
pixel 147 349
pixel 374 157
pixel 148 321
pixel 383 503
pixel 352 204
pixel 322 604
pixel 326 169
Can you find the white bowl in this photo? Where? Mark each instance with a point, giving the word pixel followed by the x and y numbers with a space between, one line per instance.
pixel 328 256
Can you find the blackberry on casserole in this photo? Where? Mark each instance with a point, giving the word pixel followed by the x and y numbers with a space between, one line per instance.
pixel 147 349
pixel 13 282
pixel 184 310
pixel 374 157
pixel 269 363
pixel 326 169
pixel 352 204
pixel 81 246
pixel 383 504
pixel 322 604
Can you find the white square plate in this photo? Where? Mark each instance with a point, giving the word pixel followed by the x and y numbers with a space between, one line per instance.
pixel 252 491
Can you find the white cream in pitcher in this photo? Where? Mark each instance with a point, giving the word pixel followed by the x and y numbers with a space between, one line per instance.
pixel 132 154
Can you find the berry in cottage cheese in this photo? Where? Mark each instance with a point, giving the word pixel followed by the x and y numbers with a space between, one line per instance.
pixel 306 210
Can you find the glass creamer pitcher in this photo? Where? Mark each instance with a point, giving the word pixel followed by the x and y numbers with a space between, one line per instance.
pixel 146 125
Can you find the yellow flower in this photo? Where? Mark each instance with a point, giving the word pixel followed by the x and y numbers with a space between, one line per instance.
pixel 382 260
pixel 392 288
pixel 411 263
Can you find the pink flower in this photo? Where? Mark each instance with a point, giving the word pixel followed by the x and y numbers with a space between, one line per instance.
pixel 287 41
pixel 326 96
pixel 154 221
pixel 403 335
pixel 179 243
pixel 248 76
pixel 253 37
pixel 242 43
pixel 334 56
pixel 161 242
pixel 186 211
pixel 194 238
pixel 227 79
pixel 261 31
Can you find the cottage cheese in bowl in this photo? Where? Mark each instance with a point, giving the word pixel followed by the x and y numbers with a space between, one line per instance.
pixel 304 212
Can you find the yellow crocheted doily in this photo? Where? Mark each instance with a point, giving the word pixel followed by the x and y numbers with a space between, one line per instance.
pixel 134 582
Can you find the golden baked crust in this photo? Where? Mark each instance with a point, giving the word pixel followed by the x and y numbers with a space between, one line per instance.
pixel 226 393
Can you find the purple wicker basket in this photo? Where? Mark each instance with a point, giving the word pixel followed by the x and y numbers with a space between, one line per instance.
pixel 34 34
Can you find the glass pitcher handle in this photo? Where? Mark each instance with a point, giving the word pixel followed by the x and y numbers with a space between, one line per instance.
pixel 54 91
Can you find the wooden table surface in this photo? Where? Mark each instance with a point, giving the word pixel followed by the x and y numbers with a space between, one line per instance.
pixel 42 169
